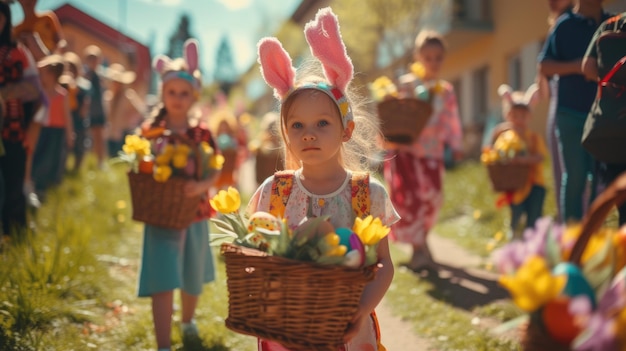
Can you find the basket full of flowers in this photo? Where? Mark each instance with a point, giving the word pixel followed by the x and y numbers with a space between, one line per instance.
pixel 504 173
pixel 571 279
pixel 300 287
pixel 160 168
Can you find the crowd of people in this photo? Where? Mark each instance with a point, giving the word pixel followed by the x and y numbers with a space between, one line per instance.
pixel 56 103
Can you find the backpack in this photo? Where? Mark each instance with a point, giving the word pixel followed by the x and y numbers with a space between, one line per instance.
pixel 604 134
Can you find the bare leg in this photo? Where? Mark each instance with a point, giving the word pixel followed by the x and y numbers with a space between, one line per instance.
pixel 189 303
pixel 162 309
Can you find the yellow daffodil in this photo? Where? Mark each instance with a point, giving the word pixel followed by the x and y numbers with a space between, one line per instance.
pixel 134 144
pixel 533 285
pixel 226 201
pixel 168 150
pixel 206 148
pixel 418 70
pixel 508 141
pixel 163 159
pixel 489 156
pixel 216 161
pixel 382 87
pixel 182 149
pixel 179 160
pixel 370 230
pixel 162 173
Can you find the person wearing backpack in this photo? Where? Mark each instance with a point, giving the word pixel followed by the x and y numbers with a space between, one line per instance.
pixel 561 59
pixel 604 135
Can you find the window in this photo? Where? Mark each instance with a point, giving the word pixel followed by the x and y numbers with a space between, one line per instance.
pixel 480 94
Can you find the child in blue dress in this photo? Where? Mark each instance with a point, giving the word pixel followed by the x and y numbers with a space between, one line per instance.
pixel 328 139
pixel 178 259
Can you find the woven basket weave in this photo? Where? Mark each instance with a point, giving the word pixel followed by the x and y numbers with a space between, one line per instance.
pixel 402 120
pixel 162 204
pixel 301 305
pixel 536 337
pixel 508 177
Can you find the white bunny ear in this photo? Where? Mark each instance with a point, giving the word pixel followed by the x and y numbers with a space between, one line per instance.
pixel 506 93
pixel 190 54
pixel 160 63
pixel 532 96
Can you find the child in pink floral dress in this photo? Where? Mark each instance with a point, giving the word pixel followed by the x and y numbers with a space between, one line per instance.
pixel 415 172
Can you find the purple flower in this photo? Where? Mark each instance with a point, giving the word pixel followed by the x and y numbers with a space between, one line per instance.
pixel 510 257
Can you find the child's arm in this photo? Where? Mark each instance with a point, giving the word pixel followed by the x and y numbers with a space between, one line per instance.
pixel 69 124
pixel 374 291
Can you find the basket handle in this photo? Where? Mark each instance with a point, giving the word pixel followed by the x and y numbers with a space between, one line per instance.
pixel 614 195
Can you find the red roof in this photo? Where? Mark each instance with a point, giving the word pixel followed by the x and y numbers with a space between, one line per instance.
pixel 70 14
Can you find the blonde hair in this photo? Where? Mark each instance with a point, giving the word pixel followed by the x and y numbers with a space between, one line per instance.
pixel 356 154
pixel 429 37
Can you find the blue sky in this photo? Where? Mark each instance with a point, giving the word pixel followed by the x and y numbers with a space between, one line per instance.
pixel 243 21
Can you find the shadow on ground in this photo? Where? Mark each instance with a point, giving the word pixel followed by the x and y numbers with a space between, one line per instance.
pixel 462 288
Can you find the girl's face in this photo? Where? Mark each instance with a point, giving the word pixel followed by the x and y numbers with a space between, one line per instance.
pixel 314 130
pixel 519 116
pixel 431 56
pixel 178 97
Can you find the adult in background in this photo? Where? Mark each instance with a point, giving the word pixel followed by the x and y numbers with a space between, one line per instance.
pixel 597 63
pixel 124 109
pixel 97 118
pixel 562 56
pixel 547 90
pixel 78 92
pixel 20 91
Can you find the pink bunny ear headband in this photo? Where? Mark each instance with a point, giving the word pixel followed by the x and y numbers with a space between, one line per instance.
pixel 162 64
pixel 528 99
pixel 326 45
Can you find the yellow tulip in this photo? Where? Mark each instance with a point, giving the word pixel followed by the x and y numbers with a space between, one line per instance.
pixel 370 230
pixel 183 149
pixel 418 70
pixel 216 162
pixel 179 160
pixel 226 201
pixel 533 285
pixel 162 173
pixel 163 159
pixel 206 148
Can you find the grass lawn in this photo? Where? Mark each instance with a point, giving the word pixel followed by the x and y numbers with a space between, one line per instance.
pixel 71 284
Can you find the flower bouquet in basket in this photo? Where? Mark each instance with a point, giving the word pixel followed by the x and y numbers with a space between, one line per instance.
pixel 571 279
pixel 404 112
pixel 505 174
pixel 298 287
pixel 160 168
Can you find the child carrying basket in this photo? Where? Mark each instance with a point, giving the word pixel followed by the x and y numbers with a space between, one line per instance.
pixel 514 159
pixel 328 141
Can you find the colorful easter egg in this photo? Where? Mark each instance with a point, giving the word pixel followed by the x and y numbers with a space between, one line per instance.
pixel 344 237
pixel 576 282
pixel 558 321
pixel 263 220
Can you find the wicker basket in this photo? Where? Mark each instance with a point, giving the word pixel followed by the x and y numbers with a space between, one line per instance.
pixel 301 305
pixel 402 120
pixel 162 204
pixel 508 177
pixel 536 337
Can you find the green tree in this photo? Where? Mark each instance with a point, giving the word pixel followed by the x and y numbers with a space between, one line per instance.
pixel 371 28
pixel 225 71
pixel 180 35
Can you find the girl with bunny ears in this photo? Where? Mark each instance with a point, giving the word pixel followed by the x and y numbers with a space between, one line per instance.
pixel 517 110
pixel 328 139
pixel 177 259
